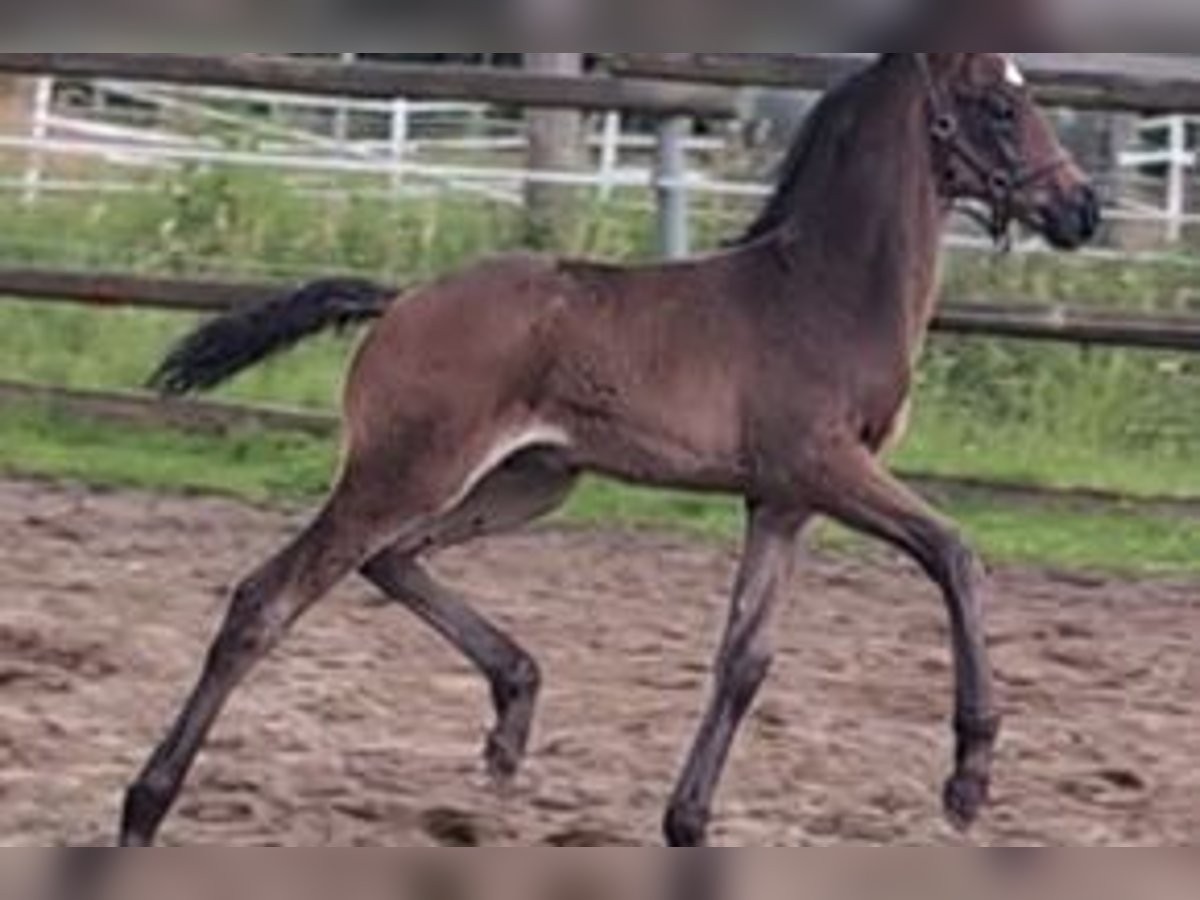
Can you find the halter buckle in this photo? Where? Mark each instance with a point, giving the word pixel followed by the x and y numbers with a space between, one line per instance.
pixel 945 127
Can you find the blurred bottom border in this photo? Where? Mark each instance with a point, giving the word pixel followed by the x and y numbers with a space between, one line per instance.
pixel 597 874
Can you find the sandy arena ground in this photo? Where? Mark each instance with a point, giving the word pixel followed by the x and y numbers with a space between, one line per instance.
pixel 365 731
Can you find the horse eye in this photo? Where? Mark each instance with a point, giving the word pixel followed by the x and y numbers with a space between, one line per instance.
pixel 1004 110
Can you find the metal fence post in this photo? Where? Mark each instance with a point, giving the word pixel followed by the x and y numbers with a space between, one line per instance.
pixel 610 154
pixel 674 236
pixel 341 113
pixel 43 110
pixel 1177 179
pixel 401 134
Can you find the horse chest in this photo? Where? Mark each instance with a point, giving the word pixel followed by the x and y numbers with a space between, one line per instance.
pixel 884 411
pixel 897 428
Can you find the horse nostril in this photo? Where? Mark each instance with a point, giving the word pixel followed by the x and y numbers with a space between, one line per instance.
pixel 1092 212
pixel 1087 212
pixel 1073 219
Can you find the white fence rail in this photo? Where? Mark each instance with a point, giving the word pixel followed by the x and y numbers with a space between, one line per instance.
pixel 410 147
pixel 1174 150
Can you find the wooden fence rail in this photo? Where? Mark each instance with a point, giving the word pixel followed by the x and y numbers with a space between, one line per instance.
pixel 1048 323
pixel 1071 325
pixel 204 417
pixel 382 81
pixel 1115 82
pixel 664 84
pixel 135 291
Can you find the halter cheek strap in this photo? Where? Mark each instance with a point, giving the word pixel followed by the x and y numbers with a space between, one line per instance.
pixel 1004 183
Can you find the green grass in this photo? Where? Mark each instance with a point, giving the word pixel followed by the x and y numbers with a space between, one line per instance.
pixel 1058 416
pixel 118 349
pixel 1077 539
pixel 255 466
pixel 948 441
pixel 294 469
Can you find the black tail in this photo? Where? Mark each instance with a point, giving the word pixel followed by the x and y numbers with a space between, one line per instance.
pixel 233 343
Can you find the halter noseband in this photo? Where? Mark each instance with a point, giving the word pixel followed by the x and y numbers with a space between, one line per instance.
pixel 1004 183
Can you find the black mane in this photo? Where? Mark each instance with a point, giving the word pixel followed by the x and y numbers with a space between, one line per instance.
pixel 821 133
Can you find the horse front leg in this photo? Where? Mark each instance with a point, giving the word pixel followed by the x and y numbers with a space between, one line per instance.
pixel 858 492
pixel 742 667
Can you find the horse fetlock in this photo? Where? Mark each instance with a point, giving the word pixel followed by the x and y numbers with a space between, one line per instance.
pixel 515 694
pixel 976 739
pixel 967 793
pixel 519 684
pixel 504 755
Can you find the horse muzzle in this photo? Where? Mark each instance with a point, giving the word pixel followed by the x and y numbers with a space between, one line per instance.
pixel 1071 220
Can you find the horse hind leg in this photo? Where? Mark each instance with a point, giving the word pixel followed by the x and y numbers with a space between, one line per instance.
pixel 353 527
pixel 526 487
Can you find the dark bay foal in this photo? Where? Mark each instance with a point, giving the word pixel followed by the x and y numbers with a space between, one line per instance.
pixel 776 371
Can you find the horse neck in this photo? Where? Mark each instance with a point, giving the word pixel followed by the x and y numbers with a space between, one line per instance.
pixel 867 215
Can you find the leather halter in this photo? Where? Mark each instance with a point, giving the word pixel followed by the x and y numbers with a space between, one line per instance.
pixel 1004 182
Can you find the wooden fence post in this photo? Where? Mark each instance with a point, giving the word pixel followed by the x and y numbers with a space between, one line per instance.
pixel 555 145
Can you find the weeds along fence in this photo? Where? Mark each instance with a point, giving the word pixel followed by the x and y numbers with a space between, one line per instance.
pixel 668 88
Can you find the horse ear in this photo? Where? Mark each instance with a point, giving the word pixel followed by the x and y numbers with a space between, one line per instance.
pixel 947 64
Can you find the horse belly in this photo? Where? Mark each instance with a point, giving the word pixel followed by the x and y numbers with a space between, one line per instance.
pixel 645 409
pixel 679 444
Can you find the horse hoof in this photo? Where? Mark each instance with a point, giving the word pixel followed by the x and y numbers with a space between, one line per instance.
pixel 686 826
pixel 965 799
